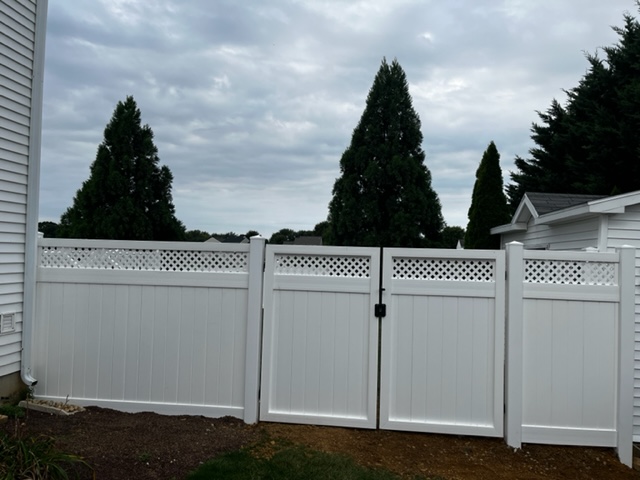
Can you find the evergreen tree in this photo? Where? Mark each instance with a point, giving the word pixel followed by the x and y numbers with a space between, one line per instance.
pixel 488 203
pixel 549 169
pixel 384 195
pixel 591 145
pixel 127 195
pixel 451 236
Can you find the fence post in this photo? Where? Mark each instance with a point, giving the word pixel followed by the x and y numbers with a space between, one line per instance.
pixel 626 354
pixel 513 384
pixel 254 329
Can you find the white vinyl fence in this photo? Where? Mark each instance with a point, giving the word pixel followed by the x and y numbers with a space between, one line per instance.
pixel 320 354
pixel 443 342
pixel 570 348
pixel 403 339
pixel 149 326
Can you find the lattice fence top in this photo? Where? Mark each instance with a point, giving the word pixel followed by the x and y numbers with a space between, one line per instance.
pixel 570 272
pixel 444 269
pixel 144 260
pixel 323 266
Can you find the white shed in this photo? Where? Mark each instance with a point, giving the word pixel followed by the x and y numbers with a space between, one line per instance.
pixel 552 221
pixel 22 38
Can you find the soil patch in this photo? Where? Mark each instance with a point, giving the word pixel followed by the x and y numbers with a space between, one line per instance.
pixel 150 446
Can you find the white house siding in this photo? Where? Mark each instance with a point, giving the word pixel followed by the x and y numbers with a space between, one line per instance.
pixel 574 235
pixel 624 229
pixel 17 40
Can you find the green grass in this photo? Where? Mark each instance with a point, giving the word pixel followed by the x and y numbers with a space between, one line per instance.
pixel 290 463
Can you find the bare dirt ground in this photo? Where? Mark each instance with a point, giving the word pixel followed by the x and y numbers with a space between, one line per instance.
pixel 122 446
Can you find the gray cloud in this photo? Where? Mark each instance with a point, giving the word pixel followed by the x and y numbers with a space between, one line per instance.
pixel 252 104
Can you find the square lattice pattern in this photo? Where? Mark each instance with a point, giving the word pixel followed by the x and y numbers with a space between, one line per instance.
pixel 144 260
pixel 570 273
pixel 323 266
pixel 444 269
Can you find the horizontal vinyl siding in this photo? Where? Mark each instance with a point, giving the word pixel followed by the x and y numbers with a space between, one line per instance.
pixel 9 103
pixel 13 346
pixel 20 16
pixel 12 302
pixel 10 368
pixel 567 236
pixel 17 39
pixel 9 186
pixel 624 229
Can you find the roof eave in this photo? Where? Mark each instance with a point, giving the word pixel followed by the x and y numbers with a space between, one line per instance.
pixel 509 227
pixel 567 214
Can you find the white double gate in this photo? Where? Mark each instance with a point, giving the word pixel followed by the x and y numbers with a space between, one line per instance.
pixel 180 328
pixel 433 363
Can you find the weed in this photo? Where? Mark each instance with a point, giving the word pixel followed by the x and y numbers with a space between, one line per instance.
pixel 144 457
pixel 12 411
pixel 35 458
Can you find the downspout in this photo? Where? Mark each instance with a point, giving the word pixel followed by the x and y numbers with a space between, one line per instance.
pixel 33 193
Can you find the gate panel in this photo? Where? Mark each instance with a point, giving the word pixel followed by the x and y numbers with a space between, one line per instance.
pixel 443 342
pixel 320 342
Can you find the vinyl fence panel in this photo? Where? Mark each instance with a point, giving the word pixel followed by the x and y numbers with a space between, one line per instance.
pixel 570 348
pixel 320 342
pixel 144 326
pixel 443 342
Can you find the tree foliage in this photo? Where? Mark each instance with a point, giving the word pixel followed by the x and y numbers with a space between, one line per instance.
pixel 283 235
pixel 384 195
pixel 48 229
pixel 591 144
pixel 451 236
pixel 127 195
pixel 488 203
pixel 196 236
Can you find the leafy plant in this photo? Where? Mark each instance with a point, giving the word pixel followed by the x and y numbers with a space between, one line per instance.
pixel 12 411
pixel 34 458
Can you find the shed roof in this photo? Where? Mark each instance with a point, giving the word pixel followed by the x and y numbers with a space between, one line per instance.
pixel 551 202
pixel 549 208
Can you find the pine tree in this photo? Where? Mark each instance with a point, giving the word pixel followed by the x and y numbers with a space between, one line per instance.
pixel 591 145
pixel 127 195
pixel 384 195
pixel 488 203
pixel 549 169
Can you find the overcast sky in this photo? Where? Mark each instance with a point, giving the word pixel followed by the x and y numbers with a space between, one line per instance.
pixel 253 102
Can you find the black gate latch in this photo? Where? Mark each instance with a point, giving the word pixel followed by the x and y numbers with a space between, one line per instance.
pixel 380 310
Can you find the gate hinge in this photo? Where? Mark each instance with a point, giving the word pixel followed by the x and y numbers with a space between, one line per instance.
pixel 380 310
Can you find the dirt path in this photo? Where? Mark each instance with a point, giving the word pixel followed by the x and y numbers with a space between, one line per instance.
pixel 143 446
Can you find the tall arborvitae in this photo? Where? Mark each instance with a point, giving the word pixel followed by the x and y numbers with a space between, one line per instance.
pixel 591 145
pixel 384 195
pixel 127 195
pixel 488 204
